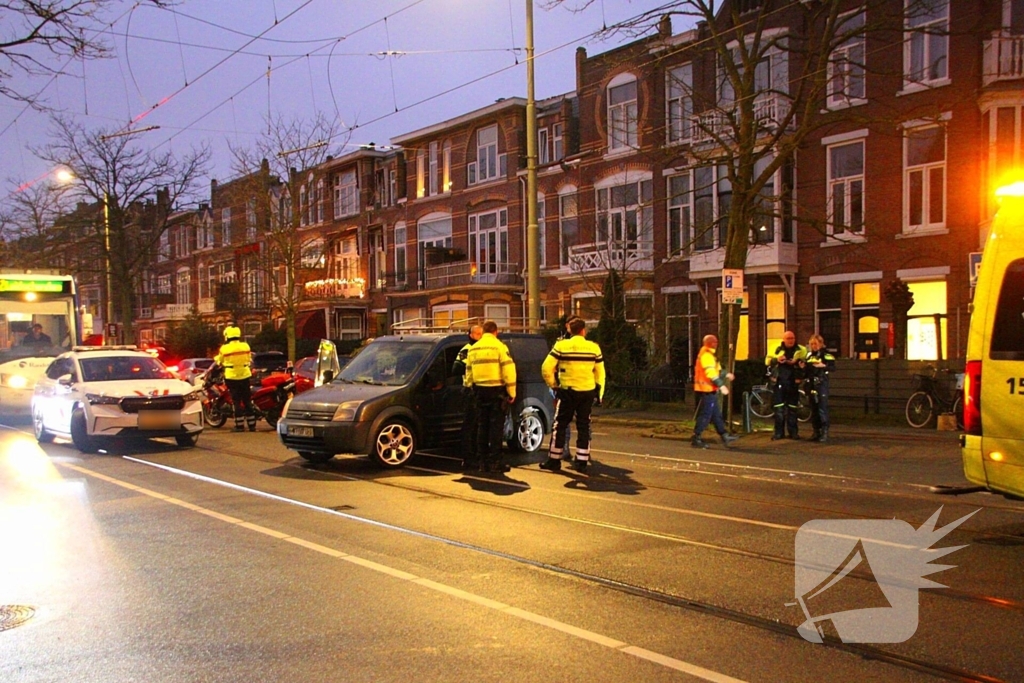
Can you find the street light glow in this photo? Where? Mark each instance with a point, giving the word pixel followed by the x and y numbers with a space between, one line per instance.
pixel 64 175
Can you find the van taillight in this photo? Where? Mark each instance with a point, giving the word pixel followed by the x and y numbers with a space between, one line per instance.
pixel 972 398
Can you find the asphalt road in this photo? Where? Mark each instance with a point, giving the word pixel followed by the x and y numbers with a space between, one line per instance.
pixel 236 561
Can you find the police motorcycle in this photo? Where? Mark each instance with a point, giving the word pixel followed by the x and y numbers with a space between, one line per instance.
pixel 268 397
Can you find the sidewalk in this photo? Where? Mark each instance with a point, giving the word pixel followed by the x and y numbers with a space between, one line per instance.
pixel 655 416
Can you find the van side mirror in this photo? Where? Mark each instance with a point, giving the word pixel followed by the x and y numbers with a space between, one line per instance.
pixel 66 380
pixel 328 376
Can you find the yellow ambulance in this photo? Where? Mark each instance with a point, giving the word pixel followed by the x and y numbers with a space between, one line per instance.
pixel 993 445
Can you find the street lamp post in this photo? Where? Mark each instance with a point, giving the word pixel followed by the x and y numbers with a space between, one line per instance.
pixel 533 245
pixel 108 314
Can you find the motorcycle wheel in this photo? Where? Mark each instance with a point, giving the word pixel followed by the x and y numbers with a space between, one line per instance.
pixel 214 413
pixel 272 417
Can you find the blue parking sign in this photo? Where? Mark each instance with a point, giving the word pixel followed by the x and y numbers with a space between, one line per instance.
pixel 728 281
pixel 973 264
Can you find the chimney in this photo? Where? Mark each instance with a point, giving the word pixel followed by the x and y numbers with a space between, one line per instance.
pixel 665 26
pixel 581 56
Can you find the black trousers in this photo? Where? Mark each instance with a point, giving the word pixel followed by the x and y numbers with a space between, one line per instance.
pixel 491 406
pixel 578 404
pixel 241 397
pixel 469 425
pixel 819 405
pixel 786 401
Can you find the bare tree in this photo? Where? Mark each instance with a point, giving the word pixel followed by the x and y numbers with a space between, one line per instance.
pixel 291 148
pixel 135 190
pixel 767 71
pixel 27 220
pixel 37 32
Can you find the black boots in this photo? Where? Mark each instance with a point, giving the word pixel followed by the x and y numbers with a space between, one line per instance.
pixel 824 435
pixel 728 438
pixel 551 465
pixel 697 442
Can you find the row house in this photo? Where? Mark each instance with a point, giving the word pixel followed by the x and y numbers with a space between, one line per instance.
pixel 895 184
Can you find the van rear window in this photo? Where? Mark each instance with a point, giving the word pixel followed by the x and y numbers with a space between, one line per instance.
pixel 1008 331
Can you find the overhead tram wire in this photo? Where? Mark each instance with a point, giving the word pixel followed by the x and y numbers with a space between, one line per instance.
pixel 177 92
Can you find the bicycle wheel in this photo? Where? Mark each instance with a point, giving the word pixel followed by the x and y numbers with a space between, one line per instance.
pixel 803 411
pixel 958 410
pixel 919 409
pixel 761 402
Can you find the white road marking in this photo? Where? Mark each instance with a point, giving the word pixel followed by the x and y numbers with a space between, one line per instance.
pixel 547 622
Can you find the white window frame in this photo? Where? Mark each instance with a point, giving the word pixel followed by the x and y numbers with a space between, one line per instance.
pixel 446 167
pixel 680 212
pixel 848 184
pixel 679 103
pixel 401 261
pixel 927 171
pixel 346 194
pixel 483 274
pixel 181 241
pixel 622 117
pixel 617 236
pixel 931 35
pixel 344 263
pixel 567 193
pixel 488 164
pixel 433 152
pixel 312 253
pixel 183 286
pixel 433 230
pixel 557 142
pixel 543 154
pixel 225 226
pixel 847 83
pixel 541 230
pixel 499 313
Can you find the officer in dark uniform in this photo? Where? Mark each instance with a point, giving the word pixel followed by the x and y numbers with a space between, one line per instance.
pixel 819 364
pixel 787 363
pixel 470 420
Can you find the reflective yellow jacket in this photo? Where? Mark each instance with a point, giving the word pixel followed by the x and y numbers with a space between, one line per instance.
pixel 489 364
pixel 580 365
pixel 235 357
pixel 707 372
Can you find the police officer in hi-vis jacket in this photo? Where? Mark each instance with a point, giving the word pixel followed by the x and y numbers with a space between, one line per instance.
pixel 491 372
pixel 236 357
pixel 819 364
pixel 470 419
pixel 787 364
pixel 579 384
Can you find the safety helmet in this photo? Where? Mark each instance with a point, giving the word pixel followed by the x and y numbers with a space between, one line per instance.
pixel 232 332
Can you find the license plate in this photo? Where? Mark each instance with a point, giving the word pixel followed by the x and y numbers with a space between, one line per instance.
pixel 159 419
pixel 301 431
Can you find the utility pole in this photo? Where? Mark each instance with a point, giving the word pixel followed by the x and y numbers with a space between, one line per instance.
pixel 533 245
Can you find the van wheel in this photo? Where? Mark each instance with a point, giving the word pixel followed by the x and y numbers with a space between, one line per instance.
pixel 80 433
pixel 529 433
pixel 42 436
pixel 313 456
pixel 394 444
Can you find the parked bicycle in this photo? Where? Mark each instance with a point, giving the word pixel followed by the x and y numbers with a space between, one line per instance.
pixel 762 405
pixel 931 398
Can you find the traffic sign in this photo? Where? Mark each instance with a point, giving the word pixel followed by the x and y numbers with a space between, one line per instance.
pixel 732 282
pixel 973 263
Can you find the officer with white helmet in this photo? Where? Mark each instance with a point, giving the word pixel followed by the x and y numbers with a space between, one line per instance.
pixel 236 357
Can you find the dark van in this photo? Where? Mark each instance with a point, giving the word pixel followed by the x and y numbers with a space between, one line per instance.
pixel 398 396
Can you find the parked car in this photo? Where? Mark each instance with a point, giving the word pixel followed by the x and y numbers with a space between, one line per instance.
pixel 399 395
pixel 191 368
pixel 305 372
pixel 97 394
pixel 267 362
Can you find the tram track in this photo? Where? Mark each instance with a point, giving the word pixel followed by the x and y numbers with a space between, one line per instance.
pixel 949 593
pixel 870 652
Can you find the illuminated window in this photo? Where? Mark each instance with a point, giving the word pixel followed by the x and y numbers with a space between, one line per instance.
pixel 866 296
pixel 926 321
pixel 774 317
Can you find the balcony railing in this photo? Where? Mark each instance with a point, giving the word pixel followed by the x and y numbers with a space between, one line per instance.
pixel 622 255
pixel 172 312
pixel 716 124
pixel 334 288
pixel 775 257
pixel 1003 58
pixel 469 273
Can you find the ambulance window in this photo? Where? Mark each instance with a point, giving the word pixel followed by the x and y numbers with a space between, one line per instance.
pixel 1008 331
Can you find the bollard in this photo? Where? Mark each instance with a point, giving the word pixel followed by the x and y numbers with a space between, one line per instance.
pixel 746 413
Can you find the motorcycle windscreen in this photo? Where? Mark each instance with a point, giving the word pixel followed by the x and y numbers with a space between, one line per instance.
pixel 327 365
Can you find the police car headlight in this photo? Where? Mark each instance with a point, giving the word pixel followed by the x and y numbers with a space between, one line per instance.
pixel 101 400
pixel 194 396
pixel 346 412
pixel 16 381
pixel 287 404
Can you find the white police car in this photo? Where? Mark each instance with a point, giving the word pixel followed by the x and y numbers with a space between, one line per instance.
pixel 95 394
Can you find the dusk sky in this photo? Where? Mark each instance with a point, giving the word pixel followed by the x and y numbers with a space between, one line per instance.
pixel 459 57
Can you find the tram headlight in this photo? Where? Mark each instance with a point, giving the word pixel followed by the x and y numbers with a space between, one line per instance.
pixel 16 381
